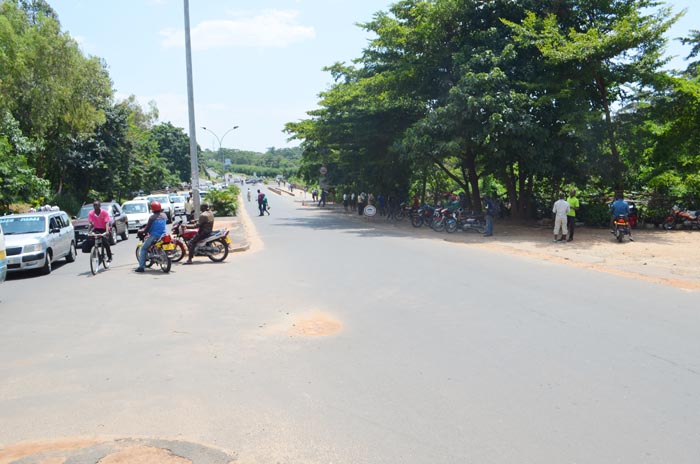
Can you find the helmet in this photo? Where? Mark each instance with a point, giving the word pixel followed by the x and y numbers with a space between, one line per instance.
pixel 155 207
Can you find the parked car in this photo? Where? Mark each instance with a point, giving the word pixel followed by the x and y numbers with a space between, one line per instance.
pixel 118 221
pixel 164 202
pixel 3 257
pixel 137 212
pixel 178 204
pixel 36 240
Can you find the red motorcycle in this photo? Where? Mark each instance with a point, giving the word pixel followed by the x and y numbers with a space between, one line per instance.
pixel 679 217
pixel 215 247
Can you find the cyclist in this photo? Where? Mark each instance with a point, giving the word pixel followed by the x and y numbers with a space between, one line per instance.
pixel 99 223
pixel 155 228
pixel 205 227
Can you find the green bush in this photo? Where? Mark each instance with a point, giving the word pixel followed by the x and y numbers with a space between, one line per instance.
pixel 594 214
pixel 224 202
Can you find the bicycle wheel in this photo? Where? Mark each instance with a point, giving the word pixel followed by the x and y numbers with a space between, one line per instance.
pixel 94 260
pixel 103 258
pixel 163 259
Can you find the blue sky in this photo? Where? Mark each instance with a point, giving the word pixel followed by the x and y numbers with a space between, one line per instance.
pixel 257 64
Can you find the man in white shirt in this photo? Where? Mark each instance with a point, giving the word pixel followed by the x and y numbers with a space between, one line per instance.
pixel 561 209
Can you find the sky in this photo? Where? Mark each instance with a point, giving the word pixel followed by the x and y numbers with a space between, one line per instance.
pixel 257 64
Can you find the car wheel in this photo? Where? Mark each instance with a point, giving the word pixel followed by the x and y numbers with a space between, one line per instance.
pixel 46 270
pixel 70 257
pixel 125 235
pixel 113 236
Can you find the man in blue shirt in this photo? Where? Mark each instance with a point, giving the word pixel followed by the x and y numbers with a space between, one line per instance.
pixel 155 227
pixel 620 208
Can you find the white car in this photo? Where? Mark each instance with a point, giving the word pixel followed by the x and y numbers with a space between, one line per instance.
pixel 138 213
pixel 3 257
pixel 164 201
pixel 36 240
pixel 177 202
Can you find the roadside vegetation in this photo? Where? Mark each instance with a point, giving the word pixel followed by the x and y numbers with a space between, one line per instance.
pixel 224 202
pixel 518 99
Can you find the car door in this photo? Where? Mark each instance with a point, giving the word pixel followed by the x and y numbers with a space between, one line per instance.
pixel 119 218
pixel 67 234
pixel 53 239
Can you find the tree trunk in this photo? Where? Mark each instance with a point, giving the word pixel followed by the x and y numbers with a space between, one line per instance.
pixel 470 165
pixel 617 162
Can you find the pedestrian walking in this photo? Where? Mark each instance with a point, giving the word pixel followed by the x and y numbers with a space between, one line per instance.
pixel 574 205
pixel 561 210
pixel 260 203
pixel 266 207
pixel 322 200
pixel 346 200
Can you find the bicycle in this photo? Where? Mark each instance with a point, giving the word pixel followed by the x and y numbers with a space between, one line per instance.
pixel 98 254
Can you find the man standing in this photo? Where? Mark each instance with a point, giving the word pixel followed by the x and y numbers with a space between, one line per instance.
pixel 98 222
pixel 574 204
pixel 205 225
pixel 491 212
pixel 345 201
pixel 561 210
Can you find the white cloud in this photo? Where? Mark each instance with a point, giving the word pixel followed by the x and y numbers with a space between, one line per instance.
pixel 268 29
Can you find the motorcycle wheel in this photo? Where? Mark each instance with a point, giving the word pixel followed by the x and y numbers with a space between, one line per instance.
pixel 164 260
pixel 138 250
pixel 400 215
pixel 417 221
pixel 669 225
pixel 179 252
pixel 438 225
pixel 451 226
pixel 222 253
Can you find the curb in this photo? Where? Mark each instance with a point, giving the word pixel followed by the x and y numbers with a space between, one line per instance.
pixel 240 249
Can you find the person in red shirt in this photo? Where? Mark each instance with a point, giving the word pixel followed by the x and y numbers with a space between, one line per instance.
pixel 99 223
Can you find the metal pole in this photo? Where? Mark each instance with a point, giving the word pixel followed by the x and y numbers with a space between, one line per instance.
pixel 194 164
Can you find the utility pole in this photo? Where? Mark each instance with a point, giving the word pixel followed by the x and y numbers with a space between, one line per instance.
pixel 194 162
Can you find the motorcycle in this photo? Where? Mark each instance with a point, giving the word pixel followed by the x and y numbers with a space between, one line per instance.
pixel 685 218
pixel 157 253
pixel 215 247
pixel 470 222
pixel 621 227
pixel 424 215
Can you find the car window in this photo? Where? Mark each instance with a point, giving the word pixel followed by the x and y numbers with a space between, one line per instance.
pixel 115 210
pixel 134 208
pixel 54 223
pixel 84 211
pixel 23 225
pixel 65 219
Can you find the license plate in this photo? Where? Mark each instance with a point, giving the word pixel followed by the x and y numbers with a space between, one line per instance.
pixel 228 240
pixel 168 247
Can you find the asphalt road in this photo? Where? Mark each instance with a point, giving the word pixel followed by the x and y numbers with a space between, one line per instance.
pixel 339 343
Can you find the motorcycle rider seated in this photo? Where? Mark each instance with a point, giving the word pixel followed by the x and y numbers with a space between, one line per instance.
pixel 205 225
pixel 98 222
pixel 620 208
pixel 155 228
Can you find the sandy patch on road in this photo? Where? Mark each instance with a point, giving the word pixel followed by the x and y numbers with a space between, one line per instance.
pixel 20 450
pixel 662 257
pixel 143 455
pixel 315 324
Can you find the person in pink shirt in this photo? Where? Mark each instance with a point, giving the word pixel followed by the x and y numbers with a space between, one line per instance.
pixel 99 223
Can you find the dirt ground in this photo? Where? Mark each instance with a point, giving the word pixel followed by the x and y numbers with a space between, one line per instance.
pixel 659 256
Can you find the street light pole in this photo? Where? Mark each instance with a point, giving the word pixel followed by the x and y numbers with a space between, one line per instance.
pixel 194 163
pixel 223 165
